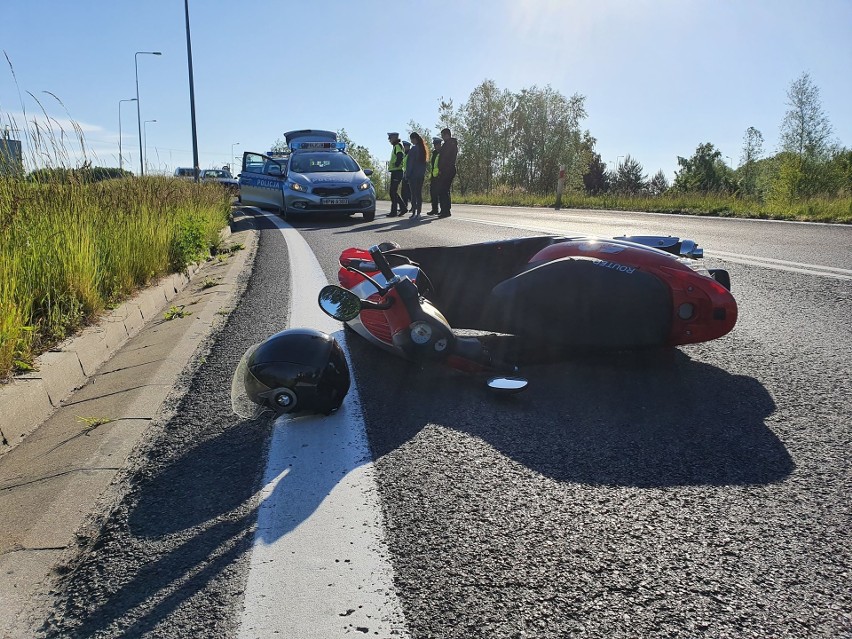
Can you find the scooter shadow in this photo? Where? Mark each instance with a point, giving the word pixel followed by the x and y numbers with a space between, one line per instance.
pixel 647 419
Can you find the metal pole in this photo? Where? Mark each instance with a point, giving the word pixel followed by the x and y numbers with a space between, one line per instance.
pixel 560 186
pixel 233 157
pixel 120 158
pixel 145 135
pixel 191 93
pixel 138 108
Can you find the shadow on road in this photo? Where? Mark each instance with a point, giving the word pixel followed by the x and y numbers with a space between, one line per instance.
pixel 635 419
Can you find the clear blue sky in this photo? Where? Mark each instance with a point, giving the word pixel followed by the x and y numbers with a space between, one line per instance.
pixel 659 77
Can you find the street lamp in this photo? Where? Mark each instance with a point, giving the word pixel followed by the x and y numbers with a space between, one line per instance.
pixel 138 109
pixel 233 157
pixel 120 158
pixel 730 162
pixel 145 135
pixel 618 161
pixel 191 93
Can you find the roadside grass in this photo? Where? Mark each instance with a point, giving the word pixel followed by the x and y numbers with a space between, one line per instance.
pixel 820 209
pixel 69 250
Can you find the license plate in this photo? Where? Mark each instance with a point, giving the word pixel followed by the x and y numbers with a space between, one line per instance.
pixel 334 200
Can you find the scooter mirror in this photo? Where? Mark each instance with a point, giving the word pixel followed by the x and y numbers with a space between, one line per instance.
pixel 339 303
pixel 507 384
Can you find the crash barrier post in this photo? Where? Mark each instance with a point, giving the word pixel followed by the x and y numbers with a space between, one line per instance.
pixel 560 186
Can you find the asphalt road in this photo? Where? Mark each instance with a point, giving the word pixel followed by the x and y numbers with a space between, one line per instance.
pixel 700 492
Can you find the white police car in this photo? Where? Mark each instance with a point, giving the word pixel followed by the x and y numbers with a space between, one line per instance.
pixel 317 177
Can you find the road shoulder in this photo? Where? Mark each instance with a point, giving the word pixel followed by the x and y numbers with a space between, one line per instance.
pixel 68 469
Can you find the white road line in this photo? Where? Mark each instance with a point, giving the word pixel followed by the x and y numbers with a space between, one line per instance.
pixel 832 272
pixel 319 566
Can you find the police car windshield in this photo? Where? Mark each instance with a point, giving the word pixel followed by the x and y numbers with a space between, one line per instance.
pixel 322 163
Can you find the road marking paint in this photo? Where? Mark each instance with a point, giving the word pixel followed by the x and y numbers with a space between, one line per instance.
pixel 832 272
pixel 319 566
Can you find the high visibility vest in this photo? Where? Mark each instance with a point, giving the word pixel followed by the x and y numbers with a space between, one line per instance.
pixel 404 161
pixel 434 163
pixel 393 165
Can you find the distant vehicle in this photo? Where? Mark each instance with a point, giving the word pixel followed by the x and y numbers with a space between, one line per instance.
pixel 187 173
pixel 316 178
pixel 221 176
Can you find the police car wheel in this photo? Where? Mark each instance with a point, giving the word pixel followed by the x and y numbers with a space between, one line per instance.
pixel 369 216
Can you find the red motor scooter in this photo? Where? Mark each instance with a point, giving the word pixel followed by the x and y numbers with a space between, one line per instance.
pixel 531 300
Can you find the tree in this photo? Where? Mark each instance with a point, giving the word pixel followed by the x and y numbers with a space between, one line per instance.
pixel 596 177
pixel 752 150
pixel 545 133
pixel 803 169
pixel 486 116
pixel 805 130
pixel 630 177
pixel 659 184
pixel 703 172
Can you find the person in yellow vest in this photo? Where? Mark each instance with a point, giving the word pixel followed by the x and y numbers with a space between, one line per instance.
pixel 433 175
pixel 396 172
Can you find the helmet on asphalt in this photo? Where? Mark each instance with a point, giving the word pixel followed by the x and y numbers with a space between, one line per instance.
pixel 296 371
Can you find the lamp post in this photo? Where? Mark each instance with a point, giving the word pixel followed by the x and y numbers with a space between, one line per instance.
pixel 138 109
pixel 191 93
pixel 233 157
pixel 618 161
pixel 145 136
pixel 730 162
pixel 120 158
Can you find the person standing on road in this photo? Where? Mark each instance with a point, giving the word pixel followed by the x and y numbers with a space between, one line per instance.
pixel 415 171
pixel 395 170
pixel 433 175
pixel 406 188
pixel 446 171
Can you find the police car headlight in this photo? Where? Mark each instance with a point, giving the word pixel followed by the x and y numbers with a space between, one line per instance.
pixel 365 186
pixel 298 187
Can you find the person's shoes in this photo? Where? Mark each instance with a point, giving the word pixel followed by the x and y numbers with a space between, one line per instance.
pixel 431 212
pixel 392 214
pixel 443 215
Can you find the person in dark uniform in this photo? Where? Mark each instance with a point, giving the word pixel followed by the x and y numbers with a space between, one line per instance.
pixel 446 171
pixel 395 170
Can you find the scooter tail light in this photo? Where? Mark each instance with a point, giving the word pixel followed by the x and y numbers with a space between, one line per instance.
pixel 702 309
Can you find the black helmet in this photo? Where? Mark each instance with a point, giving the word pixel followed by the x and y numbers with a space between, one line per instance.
pixel 297 371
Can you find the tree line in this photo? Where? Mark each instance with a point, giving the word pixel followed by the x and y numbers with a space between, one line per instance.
pixel 516 141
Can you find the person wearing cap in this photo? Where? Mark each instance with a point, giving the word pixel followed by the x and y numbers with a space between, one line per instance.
pixel 433 175
pixel 396 172
pixel 406 187
pixel 446 171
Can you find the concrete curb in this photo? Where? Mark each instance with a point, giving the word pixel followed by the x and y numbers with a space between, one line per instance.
pixel 28 400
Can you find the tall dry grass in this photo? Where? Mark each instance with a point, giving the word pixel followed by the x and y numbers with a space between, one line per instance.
pixel 68 250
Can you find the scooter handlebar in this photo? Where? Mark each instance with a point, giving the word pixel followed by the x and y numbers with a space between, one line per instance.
pixel 381 263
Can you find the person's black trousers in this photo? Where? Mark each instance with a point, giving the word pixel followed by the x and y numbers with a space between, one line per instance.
pixel 433 194
pixel 445 183
pixel 416 186
pixel 397 205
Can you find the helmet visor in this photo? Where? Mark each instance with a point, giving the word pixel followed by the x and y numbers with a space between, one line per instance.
pixel 241 402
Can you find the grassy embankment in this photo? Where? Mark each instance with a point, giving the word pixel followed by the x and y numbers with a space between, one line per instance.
pixel 838 210
pixel 70 250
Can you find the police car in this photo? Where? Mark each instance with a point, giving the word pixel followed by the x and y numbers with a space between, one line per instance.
pixel 314 177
